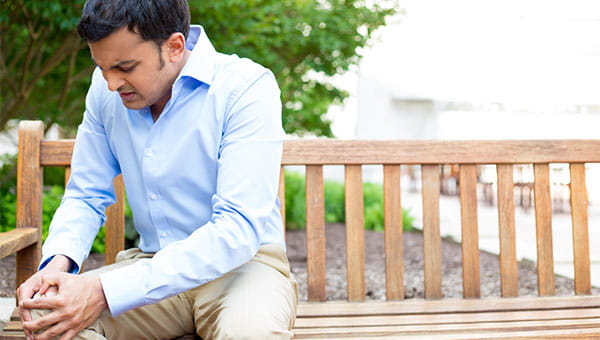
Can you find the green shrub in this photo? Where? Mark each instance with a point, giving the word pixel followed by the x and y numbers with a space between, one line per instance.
pixel 51 199
pixel 8 189
pixel 295 204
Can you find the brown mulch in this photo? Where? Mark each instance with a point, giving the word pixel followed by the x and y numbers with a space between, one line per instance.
pixel 374 268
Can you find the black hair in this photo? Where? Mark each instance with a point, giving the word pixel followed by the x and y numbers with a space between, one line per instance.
pixel 154 20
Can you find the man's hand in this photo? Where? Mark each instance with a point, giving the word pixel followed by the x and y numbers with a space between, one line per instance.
pixel 74 302
pixel 31 286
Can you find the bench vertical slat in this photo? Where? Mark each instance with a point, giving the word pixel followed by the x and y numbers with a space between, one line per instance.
pixel 509 273
pixel 469 234
pixel 315 233
pixel 281 195
pixel 394 256
pixel 29 195
pixel 579 217
pixel 543 222
pixel 115 223
pixel 355 233
pixel 67 175
pixel 432 243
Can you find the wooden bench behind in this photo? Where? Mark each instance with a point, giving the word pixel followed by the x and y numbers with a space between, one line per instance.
pixel 430 155
pixel 36 153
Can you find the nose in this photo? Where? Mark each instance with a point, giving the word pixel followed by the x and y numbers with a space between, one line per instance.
pixel 113 80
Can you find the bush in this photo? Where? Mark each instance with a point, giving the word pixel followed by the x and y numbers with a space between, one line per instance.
pixel 51 199
pixel 295 207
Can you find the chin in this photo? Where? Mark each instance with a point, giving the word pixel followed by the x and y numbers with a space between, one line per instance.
pixel 134 106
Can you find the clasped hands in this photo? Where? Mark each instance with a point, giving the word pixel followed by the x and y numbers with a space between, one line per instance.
pixel 73 301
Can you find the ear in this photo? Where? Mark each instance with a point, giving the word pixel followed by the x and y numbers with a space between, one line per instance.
pixel 174 46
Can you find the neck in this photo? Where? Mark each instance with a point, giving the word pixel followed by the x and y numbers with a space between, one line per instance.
pixel 157 108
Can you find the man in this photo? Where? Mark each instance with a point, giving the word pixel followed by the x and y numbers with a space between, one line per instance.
pixel 197 137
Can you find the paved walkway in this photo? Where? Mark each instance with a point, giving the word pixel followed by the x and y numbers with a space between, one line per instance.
pixel 6 307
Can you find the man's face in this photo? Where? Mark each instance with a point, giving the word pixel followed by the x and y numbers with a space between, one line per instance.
pixel 135 68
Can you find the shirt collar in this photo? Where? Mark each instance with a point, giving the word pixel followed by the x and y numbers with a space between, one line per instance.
pixel 201 62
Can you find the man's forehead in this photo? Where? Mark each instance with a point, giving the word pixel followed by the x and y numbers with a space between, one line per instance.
pixel 117 64
pixel 120 48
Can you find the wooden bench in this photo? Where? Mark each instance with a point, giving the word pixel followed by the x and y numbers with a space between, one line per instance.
pixel 473 317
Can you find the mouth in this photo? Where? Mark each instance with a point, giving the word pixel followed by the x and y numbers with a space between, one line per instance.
pixel 127 95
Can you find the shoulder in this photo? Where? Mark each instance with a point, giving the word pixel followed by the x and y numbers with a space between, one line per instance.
pixel 238 72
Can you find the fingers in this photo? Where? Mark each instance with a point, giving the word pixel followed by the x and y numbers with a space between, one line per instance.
pixel 29 287
pixel 53 332
pixel 25 315
pixel 25 292
pixel 42 322
pixel 50 279
pixel 43 302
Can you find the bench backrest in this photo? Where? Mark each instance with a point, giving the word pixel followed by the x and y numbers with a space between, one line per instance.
pixel 35 153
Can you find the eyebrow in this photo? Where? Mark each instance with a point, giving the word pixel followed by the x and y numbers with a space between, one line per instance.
pixel 117 65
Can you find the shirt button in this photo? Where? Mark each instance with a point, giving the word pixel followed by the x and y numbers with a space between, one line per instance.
pixel 149 153
pixel 153 196
pixel 164 234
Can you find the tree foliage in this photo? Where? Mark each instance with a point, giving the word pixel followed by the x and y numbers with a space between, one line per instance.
pixel 45 67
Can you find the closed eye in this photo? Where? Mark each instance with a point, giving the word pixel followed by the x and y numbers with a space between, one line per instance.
pixel 127 69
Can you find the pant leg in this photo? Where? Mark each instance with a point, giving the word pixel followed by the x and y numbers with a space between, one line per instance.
pixel 255 301
pixel 167 319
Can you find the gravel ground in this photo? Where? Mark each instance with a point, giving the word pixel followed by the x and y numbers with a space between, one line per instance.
pixel 375 263
pixel 413 267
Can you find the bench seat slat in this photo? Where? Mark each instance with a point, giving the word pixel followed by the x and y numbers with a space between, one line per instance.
pixel 419 306
pixel 579 218
pixel 447 318
pixel 543 223
pixel 558 334
pixel 394 253
pixel 461 328
pixel 355 233
pixel 469 233
pixel 509 273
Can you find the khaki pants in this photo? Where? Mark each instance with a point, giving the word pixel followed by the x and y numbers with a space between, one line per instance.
pixel 254 301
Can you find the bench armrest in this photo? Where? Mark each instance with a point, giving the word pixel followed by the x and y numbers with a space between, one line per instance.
pixel 17 239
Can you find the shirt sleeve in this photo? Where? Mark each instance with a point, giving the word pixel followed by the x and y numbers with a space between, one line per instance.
pixel 88 192
pixel 243 204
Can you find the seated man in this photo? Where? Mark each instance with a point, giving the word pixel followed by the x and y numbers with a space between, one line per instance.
pixel 197 136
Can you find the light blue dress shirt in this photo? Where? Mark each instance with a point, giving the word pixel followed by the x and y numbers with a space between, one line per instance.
pixel 201 180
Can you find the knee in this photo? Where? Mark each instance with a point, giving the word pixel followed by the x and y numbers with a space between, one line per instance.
pixel 234 328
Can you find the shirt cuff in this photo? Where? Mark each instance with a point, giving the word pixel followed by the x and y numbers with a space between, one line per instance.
pixel 73 267
pixel 123 288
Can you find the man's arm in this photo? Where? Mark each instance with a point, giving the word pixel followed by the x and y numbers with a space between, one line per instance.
pixel 73 226
pixel 243 206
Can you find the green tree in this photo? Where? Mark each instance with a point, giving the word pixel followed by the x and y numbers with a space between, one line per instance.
pixel 45 67
pixel 296 39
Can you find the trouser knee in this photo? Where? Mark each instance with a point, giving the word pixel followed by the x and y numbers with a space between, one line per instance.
pixel 235 329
